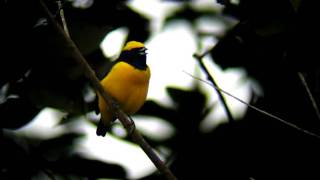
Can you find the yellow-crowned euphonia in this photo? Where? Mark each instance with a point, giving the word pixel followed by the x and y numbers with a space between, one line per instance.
pixel 127 82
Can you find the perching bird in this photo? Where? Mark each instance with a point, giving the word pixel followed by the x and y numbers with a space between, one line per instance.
pixel 127 82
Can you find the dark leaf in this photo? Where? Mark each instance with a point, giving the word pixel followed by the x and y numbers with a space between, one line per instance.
pixel 50 89
pixel 243 47
pixel 188 12
pixel 16 38
pixel 101 18
pixel 15 162
pixel 154 176
pixel 302 51
pixel 87 168
pixel 188 101
pixel 58 147
pixel 17 112
pixel 16 108
pixel 99 63
pixel 152 108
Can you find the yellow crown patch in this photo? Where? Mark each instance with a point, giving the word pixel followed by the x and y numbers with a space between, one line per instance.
pixel 132 45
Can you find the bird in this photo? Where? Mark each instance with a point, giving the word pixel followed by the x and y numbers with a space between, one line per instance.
pixel 127 83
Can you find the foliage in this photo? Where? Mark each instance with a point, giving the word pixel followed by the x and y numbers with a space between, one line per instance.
pixel 273 41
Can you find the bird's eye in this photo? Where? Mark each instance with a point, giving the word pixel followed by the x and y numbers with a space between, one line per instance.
pixel 142 51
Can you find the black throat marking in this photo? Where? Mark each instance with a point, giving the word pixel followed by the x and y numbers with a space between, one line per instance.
pixel 136 57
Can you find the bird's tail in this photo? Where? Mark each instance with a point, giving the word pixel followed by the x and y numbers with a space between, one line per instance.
pixel 102 129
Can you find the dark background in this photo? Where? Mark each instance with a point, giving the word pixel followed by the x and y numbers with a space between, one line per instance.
pixel 274 40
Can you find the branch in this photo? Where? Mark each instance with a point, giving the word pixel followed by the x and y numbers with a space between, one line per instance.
pixel 219 90
pixel 258 109
pixel 49 174
pixel 90 74
pixel 63 19
pixel 313 101
pixel 211 79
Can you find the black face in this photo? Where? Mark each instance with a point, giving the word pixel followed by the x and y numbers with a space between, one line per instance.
pixel 136 57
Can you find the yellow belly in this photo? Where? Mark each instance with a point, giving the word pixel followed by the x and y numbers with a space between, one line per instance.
pixel 127 85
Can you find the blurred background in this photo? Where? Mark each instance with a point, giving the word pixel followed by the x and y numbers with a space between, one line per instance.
pixel 259 51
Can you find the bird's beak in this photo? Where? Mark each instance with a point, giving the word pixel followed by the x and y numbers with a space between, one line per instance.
pixel 143 51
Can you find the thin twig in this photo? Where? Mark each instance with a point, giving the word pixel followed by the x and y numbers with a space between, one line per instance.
pixel 211 79
pixel 257 109
pixel 136 136
pixel 200 56
pixel 49 174
pixel 313 102
pixel 63 19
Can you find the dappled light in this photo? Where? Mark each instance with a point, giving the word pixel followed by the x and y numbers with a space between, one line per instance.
pixel 233 91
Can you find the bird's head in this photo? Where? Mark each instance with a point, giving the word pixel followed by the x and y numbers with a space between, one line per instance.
pixel 134 53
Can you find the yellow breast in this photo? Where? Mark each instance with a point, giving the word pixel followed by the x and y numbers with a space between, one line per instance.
pixel 128 85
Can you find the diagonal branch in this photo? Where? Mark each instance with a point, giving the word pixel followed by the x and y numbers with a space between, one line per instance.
pixel 63 19
pixel 258 109
pixel 212 80
pixel 313 101
pixel 90 74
